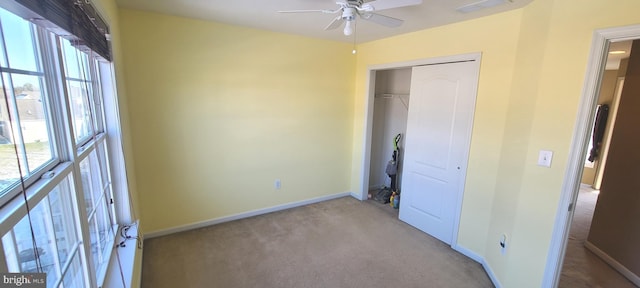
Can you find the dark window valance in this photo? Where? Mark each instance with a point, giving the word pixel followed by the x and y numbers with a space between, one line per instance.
pixel 76 20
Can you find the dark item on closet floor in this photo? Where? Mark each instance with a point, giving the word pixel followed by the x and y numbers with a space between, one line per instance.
pixel 383 195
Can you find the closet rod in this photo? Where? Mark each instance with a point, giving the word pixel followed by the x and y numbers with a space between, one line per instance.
pixel 389 95
pixel 392 95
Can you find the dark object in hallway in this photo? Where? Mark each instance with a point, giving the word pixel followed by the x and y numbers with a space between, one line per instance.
pixel 598 131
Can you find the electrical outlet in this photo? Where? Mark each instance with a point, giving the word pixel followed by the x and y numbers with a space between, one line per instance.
pixel 277 184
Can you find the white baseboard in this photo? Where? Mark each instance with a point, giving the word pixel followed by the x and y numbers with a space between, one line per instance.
pixel 475 257
pixel 466 252
pixel 615 264
pixel 492 275
pixel 248 214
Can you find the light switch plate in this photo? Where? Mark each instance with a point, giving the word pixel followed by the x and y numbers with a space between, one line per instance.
pixel 544 158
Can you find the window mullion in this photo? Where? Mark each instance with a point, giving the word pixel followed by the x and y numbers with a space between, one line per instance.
pixel 71 152
pixel 3 264
pixel 37 45
pixel 97 99
pixel 56 85
pixel 52 86
pixel 84 223
pixel 16 250
pixel 52 233
pixel 16 130
pixel 65 266
pixel 4 44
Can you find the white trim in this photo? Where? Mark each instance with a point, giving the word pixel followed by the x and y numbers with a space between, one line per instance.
pixel 15 209
pixel 476 257
pixel 615 264
pixel 368 133
pixel 368 124
pixel 579 142
pixel 492 276
pixel 426 61
pixel 466 252
pixel 124 259
pixel 239 216
pixel 118 169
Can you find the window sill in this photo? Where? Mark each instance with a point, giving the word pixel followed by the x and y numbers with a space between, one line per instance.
pixel 121 269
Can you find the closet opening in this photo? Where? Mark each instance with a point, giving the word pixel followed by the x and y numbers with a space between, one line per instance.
pixel 390 110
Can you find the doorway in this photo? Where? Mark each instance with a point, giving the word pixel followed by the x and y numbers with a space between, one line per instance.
pixel 581 267
pixel 390 111
pixel 586 114
pixel 369 123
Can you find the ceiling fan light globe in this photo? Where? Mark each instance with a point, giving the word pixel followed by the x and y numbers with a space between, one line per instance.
pixel 348 30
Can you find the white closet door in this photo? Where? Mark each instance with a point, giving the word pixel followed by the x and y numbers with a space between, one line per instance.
pixel 437 144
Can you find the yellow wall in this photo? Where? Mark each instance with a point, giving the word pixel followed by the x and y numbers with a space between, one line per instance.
pixel 533 70
pixel 498 59
pixel 218 112
pixel 560 83
pixel 524 88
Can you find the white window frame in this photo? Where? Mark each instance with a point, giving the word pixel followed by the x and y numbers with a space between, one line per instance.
pixel 69 155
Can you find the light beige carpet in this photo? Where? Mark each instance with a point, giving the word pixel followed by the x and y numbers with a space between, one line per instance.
pixel 336 243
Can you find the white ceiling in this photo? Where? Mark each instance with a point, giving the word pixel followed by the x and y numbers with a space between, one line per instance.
pixel 263 15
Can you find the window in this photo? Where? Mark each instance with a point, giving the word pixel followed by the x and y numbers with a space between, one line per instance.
pixel 54 151
pixel 96 199
pixel 57 241
pixel 78 80
pixel 24 113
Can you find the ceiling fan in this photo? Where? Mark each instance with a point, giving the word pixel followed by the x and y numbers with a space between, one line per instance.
pixel 365 9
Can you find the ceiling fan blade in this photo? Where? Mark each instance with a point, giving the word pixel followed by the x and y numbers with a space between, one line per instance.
pixel 309 11
pixel 382 20
pixel 337 22
pixel 390 4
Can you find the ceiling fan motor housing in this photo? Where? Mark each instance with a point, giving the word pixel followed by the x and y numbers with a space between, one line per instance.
pixel 349 14
pixel 355 3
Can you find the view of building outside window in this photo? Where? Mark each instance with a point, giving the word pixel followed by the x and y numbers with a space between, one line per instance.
pixel 23 110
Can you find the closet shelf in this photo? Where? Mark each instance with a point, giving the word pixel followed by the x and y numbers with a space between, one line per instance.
pixel 390 95
pixel 398 96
